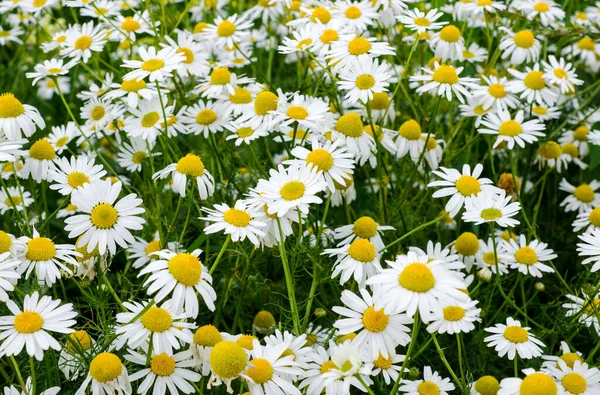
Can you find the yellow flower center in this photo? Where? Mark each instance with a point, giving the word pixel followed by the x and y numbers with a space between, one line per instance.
pixel 199 27
pixel 467 244
pixel 150 119
pixel 130 24
pixel 263 320
pixel 453 313
pixel 538 384
pixel 106 367
pixel 241 95
pixel 491 214
pixel 220 76
pixel 206 117
pixel 571 150
pixel 191 165
pixel 104 216
pixel 375 320
pixel 483 3
pixel 322 14
pixel 450 34
pixel 586 44
pixel 488 258
pixel 304 43
pixel 328 366
pixel 10 106
pixel 5 242
pixel 236 217
pixel 541 7
pixel 353 12
pixel 244 132
pixel 62 141
pixel 28 322
pixel 468 185
pixel 81 339
pixel 16 200
pixel 487 385
pixel 582 16
pixel 365 81
pixel 516 334
pixel 207 336
pixel 380 101
pixel 83 43
pixel 139 157
pixel 570 358
pixel 524 39
pixel 510 128
pixel 260 370
pixel 417 277
pixel 574 383
pixel 594 217
pixel 265 101
pixel 228 359
pixel 50 83
pixel 365 227
pixel 226 28
pixel 329 36
pixel 162 365
pixel 42 150
pixel 359 46
pixel 362 250
pixel 468 54
pixel 132 85
pixel 186 269
pixel 428 388
pixel 584 193
pixel 153 65
pixel 422 22
pixel 292 190
pixel 535 80
pixel 526 256
pixel 580 133
pixel 560 73
pixel 297 112
pixel 445 75
pixel 497 91
pixel 157 319
pixel 410 130
pixel 152 246
pixel 76 179
pixel 382 362
pixel 40 249
pixel 550 150
pixel 246 341
pixel 187 53
pixel 320 158
pixel 350 125
pixel 97 113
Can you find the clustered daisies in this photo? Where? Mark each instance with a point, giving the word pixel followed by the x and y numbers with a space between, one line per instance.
pixel 300 197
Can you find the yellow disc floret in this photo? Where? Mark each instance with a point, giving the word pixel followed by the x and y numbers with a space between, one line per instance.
pixel 106 367
pixel 186 269
pixel 417 277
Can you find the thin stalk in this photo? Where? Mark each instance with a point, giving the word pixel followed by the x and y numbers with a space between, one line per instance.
pixel 289 281
pixel 223 247
pixel 413 340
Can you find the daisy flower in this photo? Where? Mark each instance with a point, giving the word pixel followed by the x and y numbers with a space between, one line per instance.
pixel 13 34
pixel 291 189
pixel 579 138
pixel 239 221
pixel 579 379
pixel 190 165
pixel 448 44
pixel 363 228
pixel 560 73
pixel 11 390
pixel 134 25
pixel 585 310
pixel 412 283
pixel 420 21
pixel 432 383
pixel 520 47
pixel 50 68
pixel 355 16
pixel 590 248
pixel 29 327
pixel 582 197
pixel 61 136
pixel 242 133
pixel 512 129
pixel 228 361
pixel 528 258
pixel 550 154
pixel 16 117
pixel 588 220
pixel 491 207
pixel 132 155
pixel 166 371
pixel 443 81
pixel 477 9
pixel 363 77
pixel 387 366
pixel 132 90
pixel 99 114
pixel 147 121
pixel 494 94
pixel 203 341
pixel 533 382
pixel 195 61
pixel 180 276
pixel 351 47
pixel 8 273
pixel 349 130
pixel 69 175
pixel 532 86
pixel 302 40
pixel 358 259
pixel 104 222
pixel 14 199
pixel 512 339
pixel 547 10
pixel 162 326
pixel 106 375
pixel 567 356
pixel 10 151
pixel 221 82
pixel 485 385
pixel 461 186
pixel 227 32
pixel 45 257
pixel 297 346
pixel 268 370
pixel 455 318
pixel 206 118
pixel 82 40
pixel 304 111
pixel 346 364
pixel 484 257
pixel 157 65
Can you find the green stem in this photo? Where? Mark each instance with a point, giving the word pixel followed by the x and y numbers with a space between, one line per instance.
pixel 460 363
pixel 214 265
pixel 418 228
pixel 289 281
pixel 413 340
pixel 32 373
pixel 18 372
pixel 112 291
pixel 369 391
pixel 445 361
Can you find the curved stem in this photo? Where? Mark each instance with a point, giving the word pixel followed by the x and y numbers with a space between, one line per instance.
pixel 289 281
pixel 413 339
pixel 214 265
pixel 445 361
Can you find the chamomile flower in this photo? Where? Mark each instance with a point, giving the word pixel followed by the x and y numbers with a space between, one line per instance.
pixel 203 341
pixel 444 81
pixel 512 339
pixel 363 228
pixel 228 361
pixel 485 385
pixel 8 274
pixel 132 155
pixel 61 136
pixel 17 118
pixel 291 189
pixel 227 32
pixel 528 258
pixel 166 371
pixel 567 356
pixel 82 40
pixel 239 221
pixel 588 220
pixel 550 154
pixel 533 382
pixel 69 175
pixel 180 276
pixel 156 65
pixel 301 40
pixel 98 114
pixel 585 310
pixel 548 11
pixel 494 94
pixel 206 118
pixel 590 248
pixel 491 207
pixel 579 138
pixel 162 326
pixel 29 327
pixel 363 77
pixel 413 283
pixel 195 60
pixel 132 90
pixel 50 68
pixel 242 133
pixel 520 47
pixel 560 73
pixel 147 121
pixel 189 166
pixel 14 198
pixel 484 258
pixel 477 9
pixel 355 16
pixel 106 375
pixel 461 186
pixel 578 379
pixel 11 35
pixel 10 151
pixel 350 47
pixel 448 44
pixel 432 383
pixel 455 318
pixel 532 86
pixel 582 197
pixel 420 21
pixel 134 24
pixel 349 130
pixel 512 129
pixel 358 259
pixel 11 390
pixel 104 222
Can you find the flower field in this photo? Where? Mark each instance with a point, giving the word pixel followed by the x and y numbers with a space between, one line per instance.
pixel 286 197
